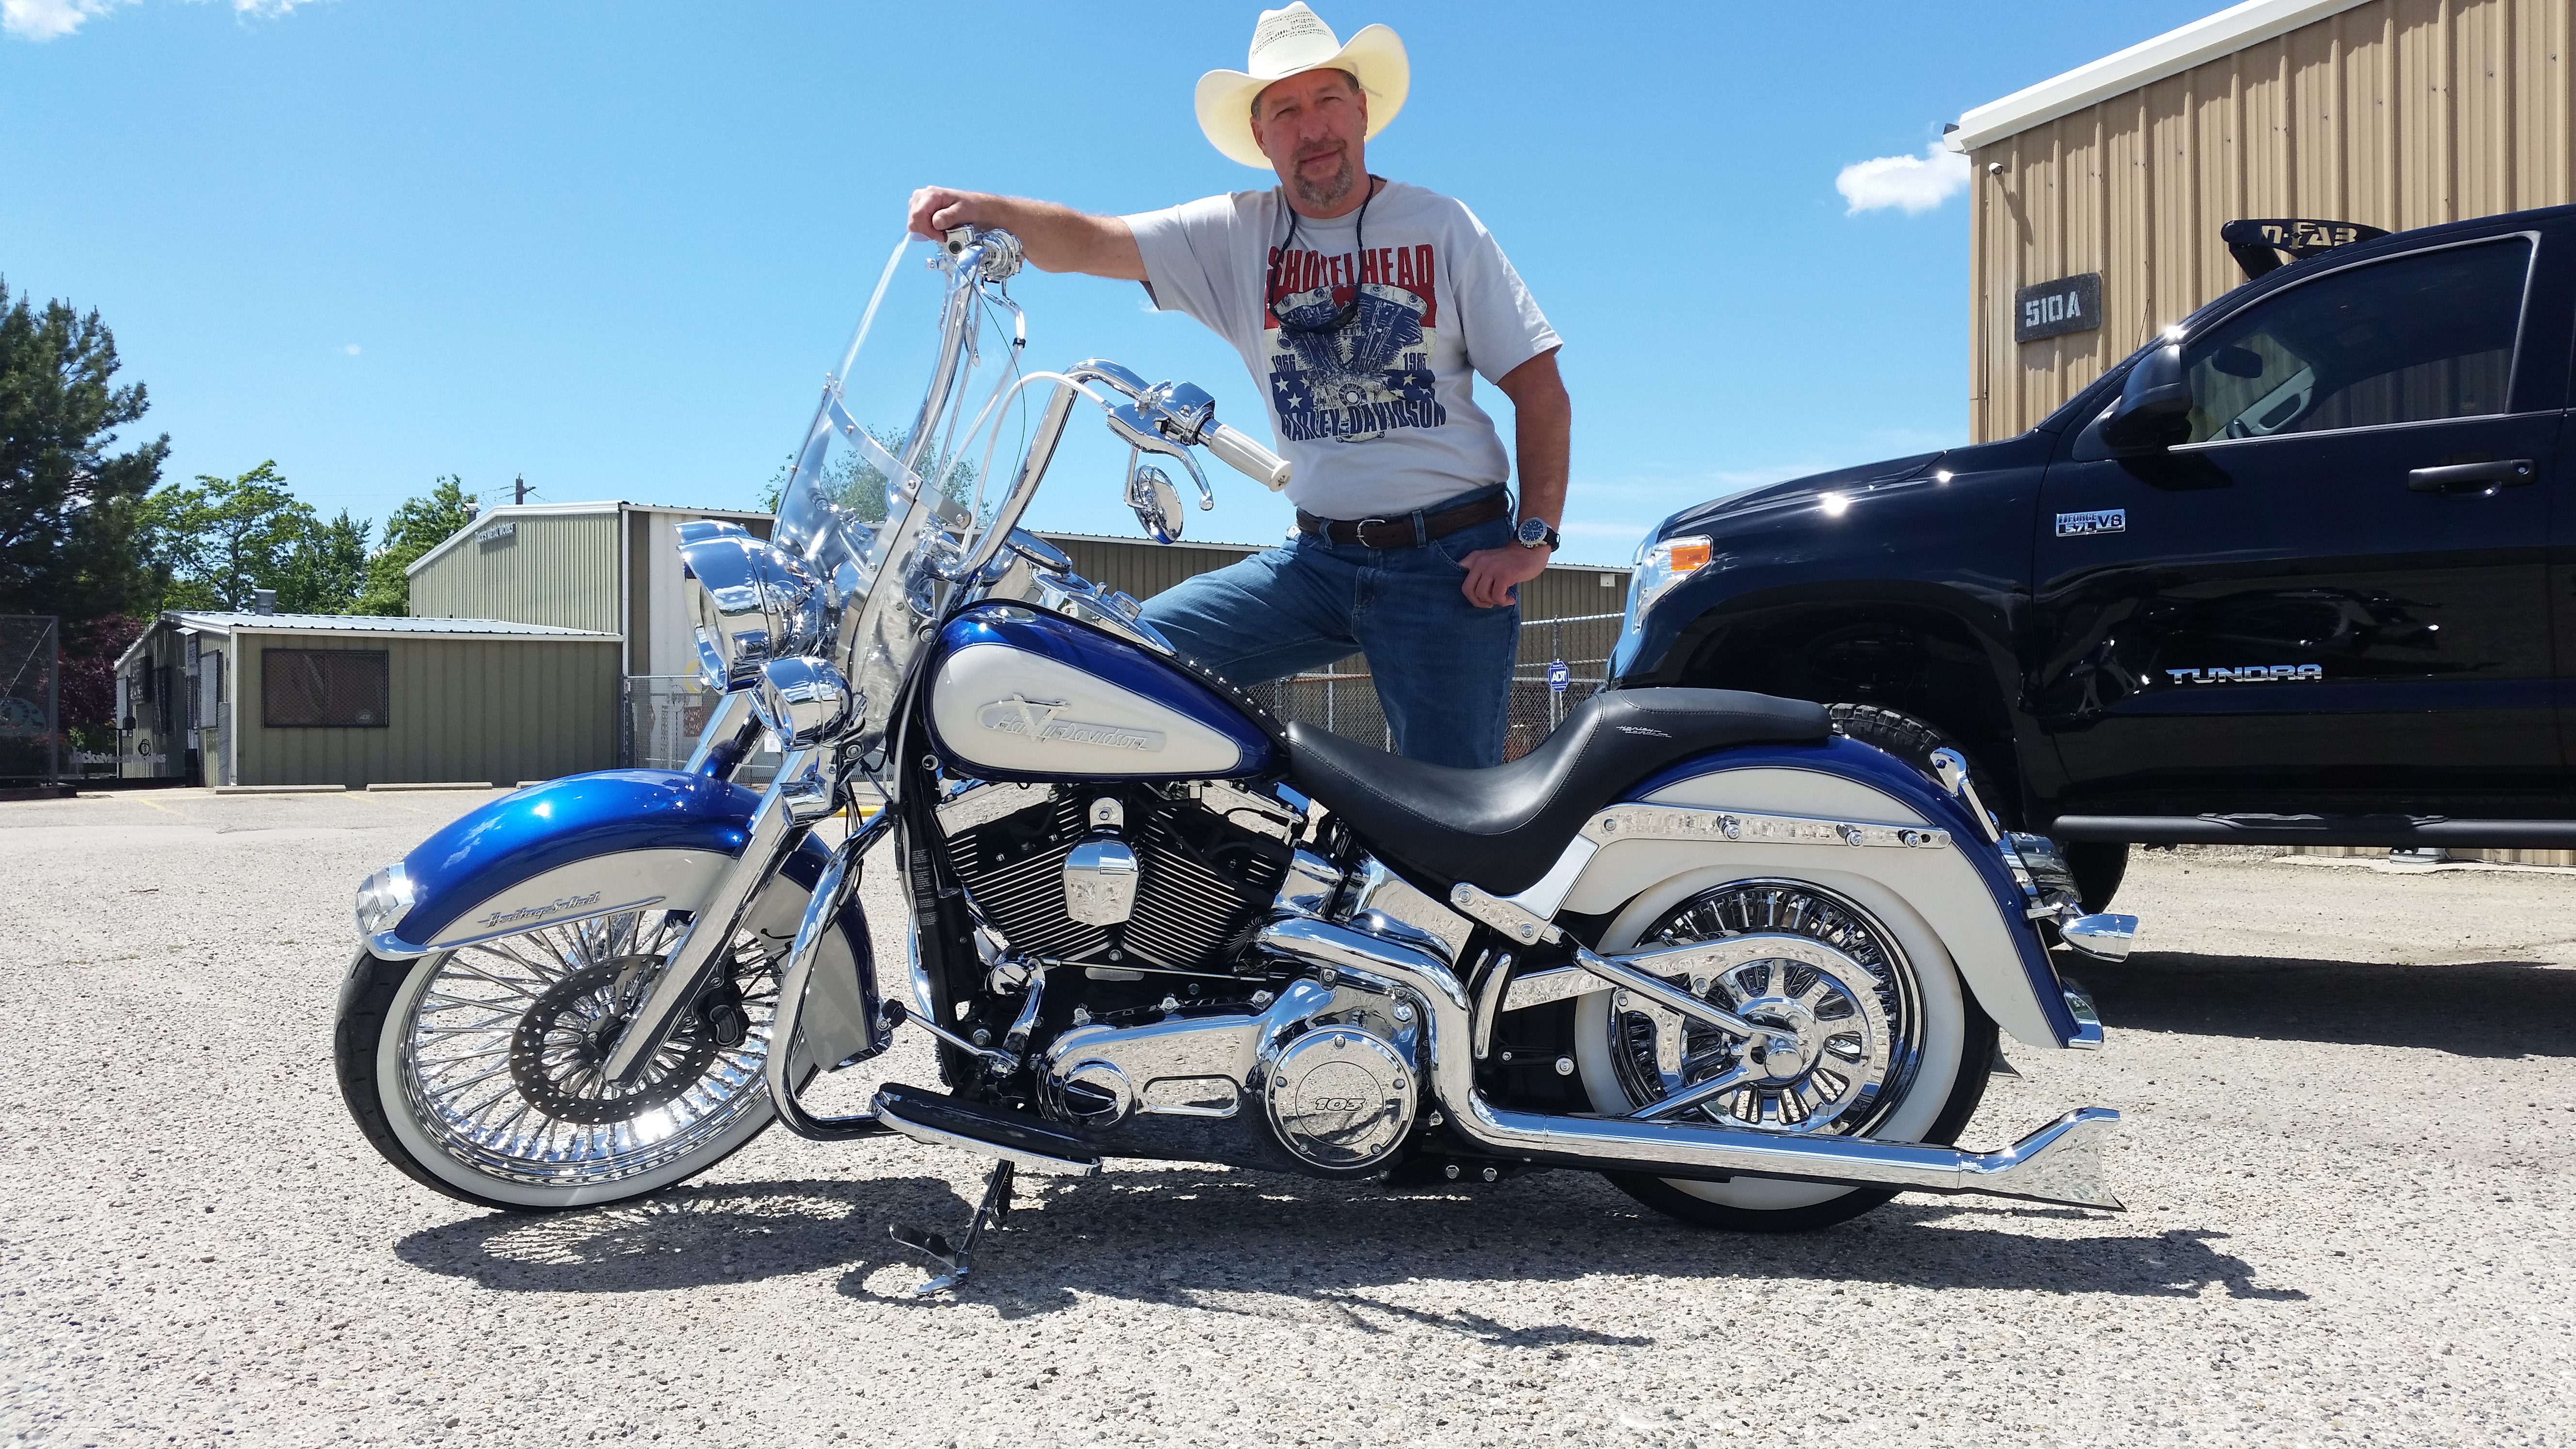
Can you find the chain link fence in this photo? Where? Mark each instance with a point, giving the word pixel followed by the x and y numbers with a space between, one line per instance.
pixel 665 712
pixel 663 717
pixel 1344 699
pixel 31 744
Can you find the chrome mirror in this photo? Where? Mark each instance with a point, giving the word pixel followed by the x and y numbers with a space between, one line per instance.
pixel 1156 501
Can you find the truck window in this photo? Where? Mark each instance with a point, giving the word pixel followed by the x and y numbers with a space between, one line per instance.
pixel 2410 340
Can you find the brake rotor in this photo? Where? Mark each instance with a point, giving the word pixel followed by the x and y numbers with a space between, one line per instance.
pixel 559 1050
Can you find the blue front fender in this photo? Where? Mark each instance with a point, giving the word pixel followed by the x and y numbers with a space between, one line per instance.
pixel 485 856
pixel 625 840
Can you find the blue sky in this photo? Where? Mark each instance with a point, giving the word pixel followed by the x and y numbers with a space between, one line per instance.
pixel 613 247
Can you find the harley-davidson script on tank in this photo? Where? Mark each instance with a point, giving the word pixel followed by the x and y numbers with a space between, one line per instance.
pixel 1018 692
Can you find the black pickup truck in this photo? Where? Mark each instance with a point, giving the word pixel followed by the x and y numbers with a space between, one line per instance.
pixel 2293 573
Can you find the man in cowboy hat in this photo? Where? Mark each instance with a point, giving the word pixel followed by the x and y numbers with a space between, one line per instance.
pixel 1365 307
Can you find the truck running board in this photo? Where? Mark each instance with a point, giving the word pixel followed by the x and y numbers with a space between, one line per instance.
pixel 2388 830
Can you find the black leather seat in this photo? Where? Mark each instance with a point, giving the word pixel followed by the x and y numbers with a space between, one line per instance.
pixel 1503 828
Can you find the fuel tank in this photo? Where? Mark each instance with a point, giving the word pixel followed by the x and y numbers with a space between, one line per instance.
pixel 1019 694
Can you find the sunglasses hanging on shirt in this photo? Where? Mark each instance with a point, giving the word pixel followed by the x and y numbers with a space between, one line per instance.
pixel 1341 317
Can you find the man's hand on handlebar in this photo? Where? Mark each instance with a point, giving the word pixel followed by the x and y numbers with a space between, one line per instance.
pixel 1054 238
pixel 938 210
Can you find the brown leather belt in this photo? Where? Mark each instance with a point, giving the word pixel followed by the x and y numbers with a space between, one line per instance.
pixel 1409 531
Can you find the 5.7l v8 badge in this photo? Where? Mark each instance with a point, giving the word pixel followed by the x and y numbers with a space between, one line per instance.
pixel 2101 520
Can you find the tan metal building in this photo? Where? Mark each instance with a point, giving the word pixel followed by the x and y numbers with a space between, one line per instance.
pixel 359 700
pixel 2102 190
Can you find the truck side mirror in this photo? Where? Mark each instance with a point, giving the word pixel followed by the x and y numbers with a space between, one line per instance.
pixel 2154 403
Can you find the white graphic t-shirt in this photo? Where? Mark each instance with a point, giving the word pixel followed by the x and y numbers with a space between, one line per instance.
pixel 1377 417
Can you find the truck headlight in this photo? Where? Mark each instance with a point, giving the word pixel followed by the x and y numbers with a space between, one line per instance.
pixel 383 899
pixel 1661 563
pixel 753 603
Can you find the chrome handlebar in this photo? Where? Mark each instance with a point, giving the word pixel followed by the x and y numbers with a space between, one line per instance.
pixel 1164 418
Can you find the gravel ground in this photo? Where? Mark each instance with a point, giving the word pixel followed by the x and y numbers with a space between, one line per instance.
pixel 2348 1164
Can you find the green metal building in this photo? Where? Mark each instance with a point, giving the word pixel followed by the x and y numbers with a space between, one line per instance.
pixel 359 700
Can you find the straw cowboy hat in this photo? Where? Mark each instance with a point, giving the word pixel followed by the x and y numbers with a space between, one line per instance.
pixel 1293 41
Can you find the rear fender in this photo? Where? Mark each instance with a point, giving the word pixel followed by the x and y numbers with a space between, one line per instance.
pixel 1964 895
pixel 587 846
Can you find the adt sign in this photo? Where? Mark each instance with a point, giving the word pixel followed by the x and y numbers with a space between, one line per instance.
pixel 1558 676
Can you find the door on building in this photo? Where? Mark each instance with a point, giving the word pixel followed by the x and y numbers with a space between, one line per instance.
pixel 2337 585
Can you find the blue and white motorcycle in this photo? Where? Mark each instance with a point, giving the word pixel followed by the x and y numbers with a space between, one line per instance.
pixel 1749 969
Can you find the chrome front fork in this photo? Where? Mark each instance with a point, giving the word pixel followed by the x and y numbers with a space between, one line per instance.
pixel 822 916
pixel 801 794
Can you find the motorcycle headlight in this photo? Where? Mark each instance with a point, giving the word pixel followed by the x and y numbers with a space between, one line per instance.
pixel 383 899
pixel 753 603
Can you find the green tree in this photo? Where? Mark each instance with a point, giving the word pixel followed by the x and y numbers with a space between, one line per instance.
pixel 327 571
pixel 222 538
pixel 70 504
pixel 859 485
pixel 415 528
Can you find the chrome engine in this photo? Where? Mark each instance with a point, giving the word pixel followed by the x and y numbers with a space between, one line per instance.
pixel 1324 1071
pixel 1288 1062
pixel 1119 878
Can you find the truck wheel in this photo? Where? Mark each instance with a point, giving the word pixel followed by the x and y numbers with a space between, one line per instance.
pixel 1900 734
pixel 2096 865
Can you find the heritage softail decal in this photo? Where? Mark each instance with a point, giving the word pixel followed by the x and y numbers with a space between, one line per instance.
pixel 2100 520
pixel 2249 674
pixel 539 913
pixel 1036 719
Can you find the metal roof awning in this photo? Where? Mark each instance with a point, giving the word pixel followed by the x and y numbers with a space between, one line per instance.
pixel 2145 63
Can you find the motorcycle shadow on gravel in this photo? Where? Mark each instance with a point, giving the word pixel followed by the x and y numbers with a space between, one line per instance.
pixel 699 1235
pixel 2523 1008
pixel 1242 1242
pixel 1269 1246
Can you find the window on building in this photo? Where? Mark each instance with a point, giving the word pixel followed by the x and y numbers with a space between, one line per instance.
pixel 324 689
pixel 2412 340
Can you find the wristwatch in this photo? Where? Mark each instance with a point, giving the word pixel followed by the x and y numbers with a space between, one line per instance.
pixel 1534 532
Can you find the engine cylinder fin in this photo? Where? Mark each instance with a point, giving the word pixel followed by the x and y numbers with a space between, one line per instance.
pixel 1203 883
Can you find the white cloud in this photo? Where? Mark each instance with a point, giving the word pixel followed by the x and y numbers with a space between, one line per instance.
pixel 52 19
pixel 1912 184
pixel 48 19
pixel 351 349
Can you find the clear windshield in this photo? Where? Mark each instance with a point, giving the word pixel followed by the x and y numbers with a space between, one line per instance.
pixel 918 430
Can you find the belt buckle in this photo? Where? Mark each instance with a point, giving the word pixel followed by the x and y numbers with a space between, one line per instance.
pixel 1360 528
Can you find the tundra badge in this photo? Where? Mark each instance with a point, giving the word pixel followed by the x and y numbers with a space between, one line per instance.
pixel 2104 520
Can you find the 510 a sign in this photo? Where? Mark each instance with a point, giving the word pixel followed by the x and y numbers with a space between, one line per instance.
pixel 2053 309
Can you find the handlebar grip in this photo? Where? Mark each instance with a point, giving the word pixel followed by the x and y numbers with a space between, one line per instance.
pixel 1246 457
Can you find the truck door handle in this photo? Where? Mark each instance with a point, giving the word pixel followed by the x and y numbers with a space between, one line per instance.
pixel 2473 477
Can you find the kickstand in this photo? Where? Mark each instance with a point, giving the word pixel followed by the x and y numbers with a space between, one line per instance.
pixel 959 1260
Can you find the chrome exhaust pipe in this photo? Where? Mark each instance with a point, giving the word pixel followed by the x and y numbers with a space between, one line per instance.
pixel 2060 1163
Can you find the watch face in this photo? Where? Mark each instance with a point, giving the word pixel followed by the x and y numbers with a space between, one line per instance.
pixel 1533 531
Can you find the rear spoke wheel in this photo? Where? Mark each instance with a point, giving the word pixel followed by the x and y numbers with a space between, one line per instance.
pixel 1859 1033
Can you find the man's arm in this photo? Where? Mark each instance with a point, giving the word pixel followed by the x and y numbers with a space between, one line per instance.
pixel 1543 447
pixel 1055 238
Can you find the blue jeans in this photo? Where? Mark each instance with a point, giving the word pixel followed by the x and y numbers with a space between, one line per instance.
pixel 1443 667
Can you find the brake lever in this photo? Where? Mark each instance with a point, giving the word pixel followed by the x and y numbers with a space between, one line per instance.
pixel 1130 425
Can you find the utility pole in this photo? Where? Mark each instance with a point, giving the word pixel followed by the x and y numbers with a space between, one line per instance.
pixel 519 489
